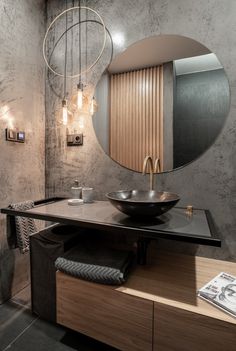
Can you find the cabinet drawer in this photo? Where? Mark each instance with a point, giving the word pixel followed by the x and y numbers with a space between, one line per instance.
pixel 179 330
pixel 101 312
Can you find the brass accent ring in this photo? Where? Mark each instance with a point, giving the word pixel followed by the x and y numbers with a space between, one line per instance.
pixel 100 54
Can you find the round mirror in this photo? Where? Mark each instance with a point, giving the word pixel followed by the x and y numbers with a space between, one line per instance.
pixel 166 96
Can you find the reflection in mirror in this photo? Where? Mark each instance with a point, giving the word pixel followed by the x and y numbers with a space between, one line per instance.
pixel 166 96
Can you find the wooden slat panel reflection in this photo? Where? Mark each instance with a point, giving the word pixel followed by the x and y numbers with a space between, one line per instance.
pixel 136 116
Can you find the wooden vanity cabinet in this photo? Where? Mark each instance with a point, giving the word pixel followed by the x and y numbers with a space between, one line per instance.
pixel 156 310
pixel 101 312
pixel 176 329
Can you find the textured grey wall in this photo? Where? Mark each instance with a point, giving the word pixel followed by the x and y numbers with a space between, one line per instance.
pixel 101 117
pixel 22 171
pixel 201 105
pixel 210 181
pixel 168 85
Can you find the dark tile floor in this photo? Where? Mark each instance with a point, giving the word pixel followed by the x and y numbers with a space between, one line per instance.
pixel 22 331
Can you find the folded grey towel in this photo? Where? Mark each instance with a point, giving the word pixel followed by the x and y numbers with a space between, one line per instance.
pixel 100 265
pixel 24 226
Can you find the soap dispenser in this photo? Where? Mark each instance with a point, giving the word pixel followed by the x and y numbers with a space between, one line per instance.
pixel 76 190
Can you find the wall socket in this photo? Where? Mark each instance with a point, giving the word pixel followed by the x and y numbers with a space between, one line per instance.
pixel 74 139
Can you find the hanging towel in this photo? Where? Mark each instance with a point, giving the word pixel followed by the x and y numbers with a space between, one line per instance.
pixel 96 264
pixel 24 226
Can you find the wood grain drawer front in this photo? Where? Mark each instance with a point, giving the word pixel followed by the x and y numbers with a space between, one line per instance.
pixel 180 330
pixel 101 312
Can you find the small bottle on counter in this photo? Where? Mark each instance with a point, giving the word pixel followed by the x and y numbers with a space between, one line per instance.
pixel 76 190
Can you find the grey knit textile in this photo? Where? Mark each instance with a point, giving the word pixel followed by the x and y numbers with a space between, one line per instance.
pixel 24 226
pixel 98 274
pixel 100 266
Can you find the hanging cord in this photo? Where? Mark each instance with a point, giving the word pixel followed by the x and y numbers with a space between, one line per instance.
pixel 57 42
pixel 65 66
pixel 72 43
pixel 80 60
pixel 86 44
pixel 98 57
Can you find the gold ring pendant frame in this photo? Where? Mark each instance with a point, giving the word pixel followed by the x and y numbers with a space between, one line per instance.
pixel 50 26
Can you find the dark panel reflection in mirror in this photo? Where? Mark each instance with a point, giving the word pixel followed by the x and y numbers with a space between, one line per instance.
pixel 166 96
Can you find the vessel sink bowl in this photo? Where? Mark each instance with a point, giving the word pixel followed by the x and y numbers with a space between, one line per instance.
pixel 140 203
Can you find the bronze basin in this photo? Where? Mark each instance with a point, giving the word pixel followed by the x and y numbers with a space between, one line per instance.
pixel 141 203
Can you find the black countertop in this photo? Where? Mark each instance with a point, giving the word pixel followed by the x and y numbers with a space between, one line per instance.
pixel 175 224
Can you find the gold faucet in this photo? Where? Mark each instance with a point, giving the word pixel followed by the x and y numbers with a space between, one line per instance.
pixel 145 163
pixel 157 165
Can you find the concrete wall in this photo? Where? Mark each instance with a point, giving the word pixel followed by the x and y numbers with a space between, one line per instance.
pixel 210 181
pixel 101 118
pixel 22 166
pixel 168 89
pixel 200 106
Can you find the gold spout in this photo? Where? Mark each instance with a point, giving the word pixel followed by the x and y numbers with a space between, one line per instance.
pixel 157 165
pixel 147 160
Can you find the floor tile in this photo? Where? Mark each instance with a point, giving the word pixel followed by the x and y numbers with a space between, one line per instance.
pixel 44 336
pixel 41 336
pixel 13 320
pixel 23 297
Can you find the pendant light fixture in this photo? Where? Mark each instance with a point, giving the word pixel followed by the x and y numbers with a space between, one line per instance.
pixel 80 87
pixel 87 68
pixel 64 112
pixel 64 101
pixel 81 103
pixel 94 106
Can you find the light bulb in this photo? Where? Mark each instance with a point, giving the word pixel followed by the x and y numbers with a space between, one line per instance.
pixel 80 96
pixel 64 112
pixel 94 106
pixel 81 122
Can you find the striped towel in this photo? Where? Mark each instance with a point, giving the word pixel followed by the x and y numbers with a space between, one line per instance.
pixel 24 226
pixel 104 266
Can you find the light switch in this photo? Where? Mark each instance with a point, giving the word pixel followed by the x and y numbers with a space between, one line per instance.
pixel 14 135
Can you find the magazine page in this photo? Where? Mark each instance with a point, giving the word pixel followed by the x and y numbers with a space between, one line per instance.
pixel 221 291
